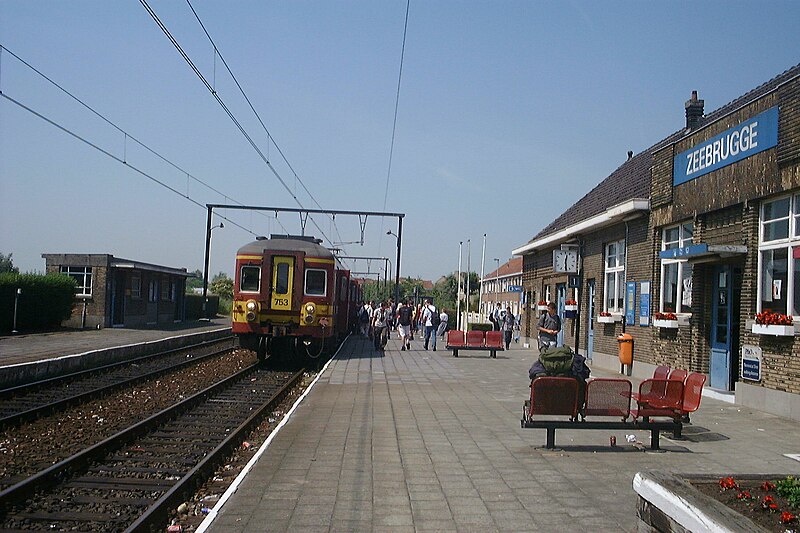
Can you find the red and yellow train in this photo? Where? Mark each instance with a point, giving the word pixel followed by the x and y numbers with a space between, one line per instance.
pixel 291 295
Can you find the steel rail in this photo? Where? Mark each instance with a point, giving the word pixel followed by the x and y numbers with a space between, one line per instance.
pixel 79 461
pixel 42 409
pixel 157 515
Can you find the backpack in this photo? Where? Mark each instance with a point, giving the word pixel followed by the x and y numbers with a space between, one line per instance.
pixel 404 315
pixel 557 361
pixel 435 320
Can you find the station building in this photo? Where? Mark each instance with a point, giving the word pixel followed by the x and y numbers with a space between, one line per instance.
pixel 114 292
pixel 692 247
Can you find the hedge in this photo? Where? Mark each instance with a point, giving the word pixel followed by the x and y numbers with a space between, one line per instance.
pixel 45 302
pixel 194 306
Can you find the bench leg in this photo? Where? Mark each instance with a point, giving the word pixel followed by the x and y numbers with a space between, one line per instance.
pixel 677 430
pixel 654 439
pixel 455 353
pixel 551 438
pixel 493 354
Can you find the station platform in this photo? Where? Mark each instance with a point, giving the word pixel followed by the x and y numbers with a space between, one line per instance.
pixel 27 357
pixel 410 441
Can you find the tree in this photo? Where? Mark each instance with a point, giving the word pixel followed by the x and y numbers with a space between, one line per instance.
pixel 195 282
pixel 7 264
pixel 222 286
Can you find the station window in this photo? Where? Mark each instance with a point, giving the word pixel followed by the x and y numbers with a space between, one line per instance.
pixel 250 278
pixel 82 277
pixel 315 282
pixel 136 287
pixel 165 290
pixel 152 295
pixel 615 276
pixel 676 274
pixel 779 256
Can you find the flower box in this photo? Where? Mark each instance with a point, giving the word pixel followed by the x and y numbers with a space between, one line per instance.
pixel 768 329
pixel 541 308
pixel 609 319
pixel 570 307
pixel 668 324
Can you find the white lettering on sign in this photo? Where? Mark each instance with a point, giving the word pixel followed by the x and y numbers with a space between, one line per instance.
pixel 736 142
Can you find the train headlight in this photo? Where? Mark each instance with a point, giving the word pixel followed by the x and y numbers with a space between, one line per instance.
pixel 310 308
pixel 252 310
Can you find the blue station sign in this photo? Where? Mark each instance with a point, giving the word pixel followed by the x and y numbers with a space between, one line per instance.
pixel 515 288
pixel 686 251
pixel 740 142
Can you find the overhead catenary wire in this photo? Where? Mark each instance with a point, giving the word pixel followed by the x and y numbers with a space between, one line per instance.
pixel 124 132
pixel 230 114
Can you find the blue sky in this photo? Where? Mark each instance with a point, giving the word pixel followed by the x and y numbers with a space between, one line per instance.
pixel 509 112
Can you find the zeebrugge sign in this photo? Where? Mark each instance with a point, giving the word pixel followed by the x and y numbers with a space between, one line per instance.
pixel 740 142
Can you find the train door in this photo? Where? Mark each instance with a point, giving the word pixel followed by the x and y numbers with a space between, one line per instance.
pixel 561 296
pixel 282 283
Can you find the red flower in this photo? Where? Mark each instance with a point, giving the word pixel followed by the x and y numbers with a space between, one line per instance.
pixel 727 483
pixel 787 517
pixel 666 316
pixel 744 495
pixel 605 313
pixel 767 486
pixel 768 318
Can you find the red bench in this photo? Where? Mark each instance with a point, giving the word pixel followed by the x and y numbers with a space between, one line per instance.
pixel 491 341
pixel 555 396
pixel 671 398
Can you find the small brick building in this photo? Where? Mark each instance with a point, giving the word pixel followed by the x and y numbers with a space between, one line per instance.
pixel 503 286
pixel 114 292
pixel 684 244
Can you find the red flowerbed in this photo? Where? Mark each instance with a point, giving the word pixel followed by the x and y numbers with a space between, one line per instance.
pixel 773 505
pixel 768 318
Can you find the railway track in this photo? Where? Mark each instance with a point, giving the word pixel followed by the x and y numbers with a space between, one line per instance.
pixel 133 480
pixel 31 401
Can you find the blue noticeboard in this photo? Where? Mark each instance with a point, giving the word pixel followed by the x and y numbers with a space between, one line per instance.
pixel 644 303
pixel 630 303
pixel 751 362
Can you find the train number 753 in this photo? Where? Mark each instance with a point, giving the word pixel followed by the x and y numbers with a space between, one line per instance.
pixel 280 302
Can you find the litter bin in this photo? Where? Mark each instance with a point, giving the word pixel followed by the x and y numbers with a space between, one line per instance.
pixel 625 352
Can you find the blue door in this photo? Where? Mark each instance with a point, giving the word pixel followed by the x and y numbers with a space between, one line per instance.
pixel 589 318
pixel 721 308
pixel 561 295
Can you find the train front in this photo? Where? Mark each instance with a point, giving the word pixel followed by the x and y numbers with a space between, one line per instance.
pixel 284 301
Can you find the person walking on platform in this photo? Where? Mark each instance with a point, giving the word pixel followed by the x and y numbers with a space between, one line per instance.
pixel 549 326
pixel 405 315
pixel 380 328
pixel 443 318
pixel 430 319
pixel 508 326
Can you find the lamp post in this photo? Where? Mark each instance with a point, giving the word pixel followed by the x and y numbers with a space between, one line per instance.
pixel 496 281
pixel 458 289
pixel 16 304
pixel 209 228
pixel 466 281
pixel 397 265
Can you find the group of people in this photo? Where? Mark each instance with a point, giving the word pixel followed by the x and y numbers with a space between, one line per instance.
pixel 547 328
pixel 376 321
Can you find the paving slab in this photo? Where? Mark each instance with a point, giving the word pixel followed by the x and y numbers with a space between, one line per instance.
pixel 421 441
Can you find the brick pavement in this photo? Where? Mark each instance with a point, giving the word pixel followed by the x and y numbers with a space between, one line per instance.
pixel 422 441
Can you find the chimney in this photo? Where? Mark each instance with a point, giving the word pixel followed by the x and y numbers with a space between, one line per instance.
pixel 694 111
pixel 630 155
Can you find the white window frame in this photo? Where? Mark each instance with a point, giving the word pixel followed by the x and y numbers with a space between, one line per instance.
pixel 257 268
pixel 683 241
pixel 788 243
pixel 83 277
pixel 305 282
pixel 136 287
pixel 618 270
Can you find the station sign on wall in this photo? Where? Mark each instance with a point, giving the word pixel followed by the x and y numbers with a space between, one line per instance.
pixel 751 362
pixel 739 142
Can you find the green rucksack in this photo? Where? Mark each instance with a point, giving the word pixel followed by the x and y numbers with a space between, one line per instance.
pixel 557 361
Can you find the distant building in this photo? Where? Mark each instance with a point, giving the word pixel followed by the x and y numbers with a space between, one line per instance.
pixel 503 286
pixel 114 292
